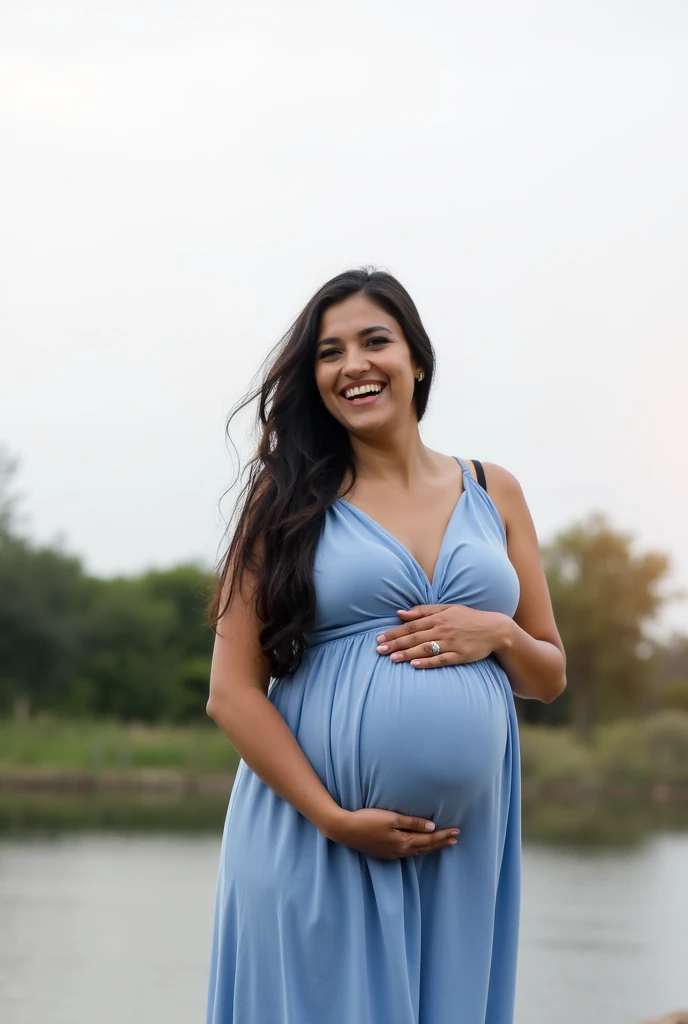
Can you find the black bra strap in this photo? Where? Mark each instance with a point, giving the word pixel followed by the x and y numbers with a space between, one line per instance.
pixel 481 473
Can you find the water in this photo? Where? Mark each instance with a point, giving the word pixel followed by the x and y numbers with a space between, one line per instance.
pixel 112 928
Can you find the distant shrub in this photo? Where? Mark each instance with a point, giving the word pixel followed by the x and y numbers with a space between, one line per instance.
pixel 667 740
pixel 89 745
pixel 645 751
pixel 675 695
pixel 555 755
pixel 622 753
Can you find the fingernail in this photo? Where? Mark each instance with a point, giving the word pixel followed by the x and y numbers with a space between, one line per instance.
pixel 429 826
pixel 382 648
pixel 455 831
pixel 452 842
pixel 396 656
pixel 380 636
pixel 415 663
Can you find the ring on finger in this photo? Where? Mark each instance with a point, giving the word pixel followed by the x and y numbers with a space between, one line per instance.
pixel 435 647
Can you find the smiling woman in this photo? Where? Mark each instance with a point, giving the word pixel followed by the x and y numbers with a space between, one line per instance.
pixel 337 374
pixel 354 762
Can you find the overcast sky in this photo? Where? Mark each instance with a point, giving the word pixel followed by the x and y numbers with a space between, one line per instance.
pixel 177 179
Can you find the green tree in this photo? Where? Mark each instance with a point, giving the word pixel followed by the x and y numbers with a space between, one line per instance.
pixel 127 659
pixel 671 676
pixel 44 596
pixel 8 500
pixel 186 589
pixel 604 598
pixel 134 648
pixel 43 601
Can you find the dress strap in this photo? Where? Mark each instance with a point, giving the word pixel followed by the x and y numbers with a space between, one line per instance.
pixel 478 469
pixel 481 473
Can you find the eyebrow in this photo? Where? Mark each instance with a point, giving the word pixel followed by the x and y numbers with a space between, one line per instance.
pixel 359 334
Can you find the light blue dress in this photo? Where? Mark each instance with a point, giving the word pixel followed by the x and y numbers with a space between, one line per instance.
pixel 308 931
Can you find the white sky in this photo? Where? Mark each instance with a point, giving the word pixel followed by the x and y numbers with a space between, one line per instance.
pixel 177 179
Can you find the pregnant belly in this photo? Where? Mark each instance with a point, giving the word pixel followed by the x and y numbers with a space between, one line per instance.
pixel 431 742
pixel 427 742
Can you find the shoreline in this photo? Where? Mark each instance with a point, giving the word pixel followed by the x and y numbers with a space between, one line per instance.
pixel 134 782
pixel 171 781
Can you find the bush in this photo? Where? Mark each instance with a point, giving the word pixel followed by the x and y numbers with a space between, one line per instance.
pixel 85 745
pixel 675 695
pixel 622 753
pixel 645 751
pixel 555 755
pixel 667 740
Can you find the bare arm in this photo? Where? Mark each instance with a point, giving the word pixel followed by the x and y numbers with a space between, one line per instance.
pixel 531 653
pixel 239 705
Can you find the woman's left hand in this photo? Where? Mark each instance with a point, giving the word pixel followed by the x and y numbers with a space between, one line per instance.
pixel 464 634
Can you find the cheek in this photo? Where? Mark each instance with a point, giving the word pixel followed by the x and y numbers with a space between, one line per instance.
pixel 324 382
pixel 321 381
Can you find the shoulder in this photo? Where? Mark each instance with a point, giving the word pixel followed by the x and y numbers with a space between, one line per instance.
pixel 501 480
pixel 504 489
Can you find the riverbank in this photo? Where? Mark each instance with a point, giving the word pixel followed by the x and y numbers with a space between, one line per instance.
pixel 176 782
pixel 640 760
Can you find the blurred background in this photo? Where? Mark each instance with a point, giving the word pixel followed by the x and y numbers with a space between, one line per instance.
pixel 176 182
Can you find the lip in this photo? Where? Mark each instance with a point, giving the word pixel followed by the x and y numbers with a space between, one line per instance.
pixel 360 383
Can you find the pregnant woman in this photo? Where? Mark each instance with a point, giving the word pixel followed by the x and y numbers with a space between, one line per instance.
pixel 377 608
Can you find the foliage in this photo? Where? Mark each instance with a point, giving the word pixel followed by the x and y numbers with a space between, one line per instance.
pixel 675 695
pixel 555 755
pixel 604 598
pixel 43 601
pixel 666 735
pixel 8 500
pixel 646 751
pixel 138 648
pixel 628 752
pixel 130 648
pixel 623 753
pixel 88 745
pixel 672 660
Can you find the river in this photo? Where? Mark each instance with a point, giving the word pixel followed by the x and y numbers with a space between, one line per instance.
pixel 107 928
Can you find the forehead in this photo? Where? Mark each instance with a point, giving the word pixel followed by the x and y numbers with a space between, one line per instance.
pixel 351 315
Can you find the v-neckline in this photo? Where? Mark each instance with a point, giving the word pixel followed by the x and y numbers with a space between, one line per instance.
pixel 391 536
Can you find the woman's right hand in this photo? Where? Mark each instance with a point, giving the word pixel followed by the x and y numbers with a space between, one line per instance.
pixel 388 835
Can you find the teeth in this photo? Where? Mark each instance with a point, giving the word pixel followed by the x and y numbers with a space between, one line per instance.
pixel 365 389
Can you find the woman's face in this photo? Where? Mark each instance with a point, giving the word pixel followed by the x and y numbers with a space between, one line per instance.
pixel 359 344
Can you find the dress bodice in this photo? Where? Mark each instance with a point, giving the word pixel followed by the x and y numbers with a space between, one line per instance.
pixel 363 574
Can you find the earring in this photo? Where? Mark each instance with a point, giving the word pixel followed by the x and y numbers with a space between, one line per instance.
pixel 420 375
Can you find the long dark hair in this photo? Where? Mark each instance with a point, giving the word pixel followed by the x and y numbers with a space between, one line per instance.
pixel 299 467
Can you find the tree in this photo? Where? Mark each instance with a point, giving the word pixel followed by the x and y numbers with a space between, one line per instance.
pixel 186 589
pixel 8 500
pixel 127 659
pixel 43 600
pixel 604 598
pixel 146 647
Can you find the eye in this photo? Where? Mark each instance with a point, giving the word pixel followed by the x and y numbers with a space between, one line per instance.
pixel 378 340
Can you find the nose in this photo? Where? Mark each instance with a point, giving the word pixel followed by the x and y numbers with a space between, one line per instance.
pixel 356 362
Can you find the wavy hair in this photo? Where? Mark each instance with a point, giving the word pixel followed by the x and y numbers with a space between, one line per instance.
pixel 297 471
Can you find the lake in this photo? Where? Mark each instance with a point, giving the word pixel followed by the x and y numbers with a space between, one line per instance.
pixel 106 928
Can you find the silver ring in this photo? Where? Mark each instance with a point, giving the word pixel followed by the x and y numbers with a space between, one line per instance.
pixel 435 647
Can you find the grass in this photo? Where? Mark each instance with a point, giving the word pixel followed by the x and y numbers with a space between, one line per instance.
pixel 633 753
pixel 92 746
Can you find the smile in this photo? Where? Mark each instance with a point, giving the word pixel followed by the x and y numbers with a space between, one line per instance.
pixel 363 394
